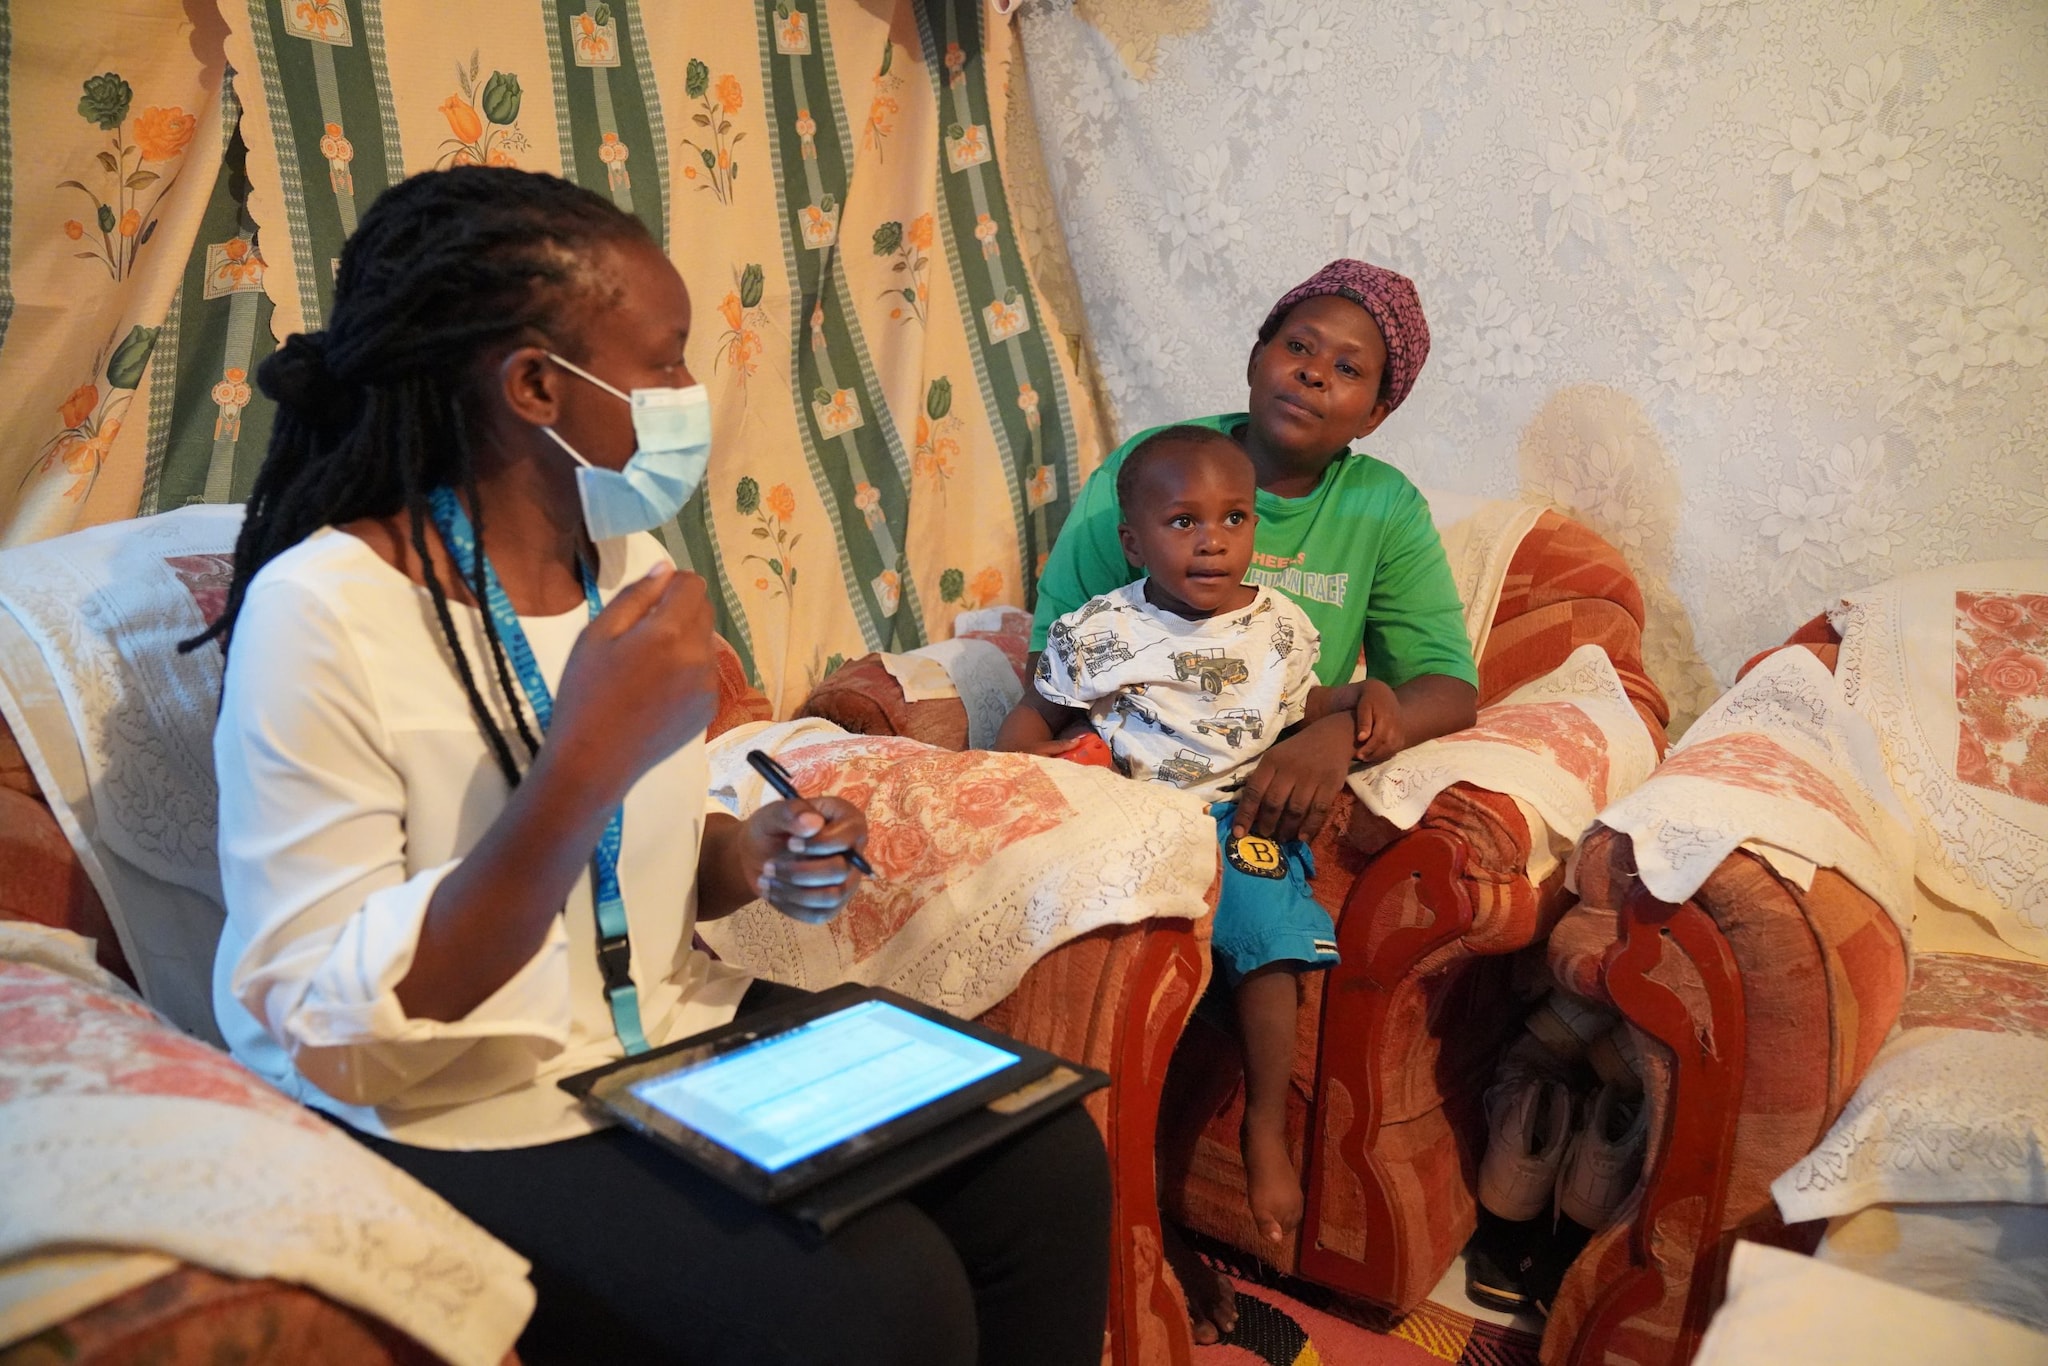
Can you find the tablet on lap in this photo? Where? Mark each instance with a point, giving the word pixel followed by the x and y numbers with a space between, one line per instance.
pixel 829 1105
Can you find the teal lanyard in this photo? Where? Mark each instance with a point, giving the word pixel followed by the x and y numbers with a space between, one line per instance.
pixel 614 949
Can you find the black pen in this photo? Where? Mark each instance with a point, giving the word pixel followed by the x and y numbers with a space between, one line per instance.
pixel 777 777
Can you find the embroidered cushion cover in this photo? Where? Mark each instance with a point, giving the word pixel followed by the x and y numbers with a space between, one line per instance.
pixel 987 862
pixel 1950 666
pixel 1944 1115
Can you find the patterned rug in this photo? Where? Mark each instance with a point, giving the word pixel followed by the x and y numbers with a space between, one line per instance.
pixel 1286 1321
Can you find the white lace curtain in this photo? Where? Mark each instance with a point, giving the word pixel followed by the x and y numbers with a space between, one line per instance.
pixel 1758 289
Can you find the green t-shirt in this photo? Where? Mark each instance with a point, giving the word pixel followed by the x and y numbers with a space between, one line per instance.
pixel 1359 554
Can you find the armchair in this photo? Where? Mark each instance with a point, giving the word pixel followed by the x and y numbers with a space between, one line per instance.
pixel 1758 1006
pixel 1115 999
pixel 1387 1127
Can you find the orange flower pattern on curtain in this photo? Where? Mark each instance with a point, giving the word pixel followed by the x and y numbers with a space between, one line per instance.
pixel 483 118
pixel 716 141
pixel 134 173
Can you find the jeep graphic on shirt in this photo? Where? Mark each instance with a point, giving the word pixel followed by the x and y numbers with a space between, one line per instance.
pixel 1193 703
pixel 1213 669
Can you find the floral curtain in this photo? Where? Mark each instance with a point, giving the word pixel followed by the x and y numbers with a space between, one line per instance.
pixel 898 429
pixel 1758 289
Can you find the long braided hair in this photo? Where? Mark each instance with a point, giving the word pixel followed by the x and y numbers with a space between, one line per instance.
pixel 374 411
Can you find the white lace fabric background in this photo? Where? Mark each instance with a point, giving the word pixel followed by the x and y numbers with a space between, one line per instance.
pixel 1757 290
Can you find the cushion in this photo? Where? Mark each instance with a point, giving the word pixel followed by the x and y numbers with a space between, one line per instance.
pixel 1794 1311
pixel 952 694
pixel 985 862
pixel 1950 666
pixel 1944 1115
pixel 1967 991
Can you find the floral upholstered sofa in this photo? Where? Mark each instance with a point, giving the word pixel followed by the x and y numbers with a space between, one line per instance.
pixel 1115 998
pixel 1908 728
pixel 1398 1042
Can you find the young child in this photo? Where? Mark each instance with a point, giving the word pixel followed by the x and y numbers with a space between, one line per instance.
pixel 1347 537
pixel 1189 675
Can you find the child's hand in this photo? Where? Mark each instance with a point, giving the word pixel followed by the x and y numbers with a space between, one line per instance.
pixel 1382 729
pixel 790 854
pixel 1053 749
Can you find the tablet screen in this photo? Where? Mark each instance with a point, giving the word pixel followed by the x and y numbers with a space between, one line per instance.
pixel 798 1093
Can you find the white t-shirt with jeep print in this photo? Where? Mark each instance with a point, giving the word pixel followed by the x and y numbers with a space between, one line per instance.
pixel 1192 703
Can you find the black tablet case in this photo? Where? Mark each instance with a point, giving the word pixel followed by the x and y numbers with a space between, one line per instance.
pixel 828 1205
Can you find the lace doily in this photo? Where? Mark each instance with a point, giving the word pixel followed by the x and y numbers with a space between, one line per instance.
pixel 988 862
pixel 1565 744
pixel 142 1138
pixel 107 608
pixel 1780 758
pixel 1945 1115
pixel 1910 647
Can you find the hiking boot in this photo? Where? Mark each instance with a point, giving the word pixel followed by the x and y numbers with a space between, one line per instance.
pixel 1605 1160
pixel 1529 1123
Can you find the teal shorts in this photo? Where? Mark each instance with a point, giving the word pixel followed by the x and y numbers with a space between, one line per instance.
pixel 1266 913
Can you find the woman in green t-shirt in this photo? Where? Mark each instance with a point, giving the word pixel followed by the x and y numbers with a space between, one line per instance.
pixel 1346 536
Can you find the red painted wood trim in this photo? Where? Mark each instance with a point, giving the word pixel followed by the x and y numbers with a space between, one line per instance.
pixel 1708 1066
pixel 1148 1322
pixel 1356 999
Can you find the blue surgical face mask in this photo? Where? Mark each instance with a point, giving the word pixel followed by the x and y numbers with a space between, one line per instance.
pixel 673 429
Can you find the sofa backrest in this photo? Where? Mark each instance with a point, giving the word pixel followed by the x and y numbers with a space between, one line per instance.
pixel 106 761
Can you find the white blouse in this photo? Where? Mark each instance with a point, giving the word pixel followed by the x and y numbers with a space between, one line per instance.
pixel 353 778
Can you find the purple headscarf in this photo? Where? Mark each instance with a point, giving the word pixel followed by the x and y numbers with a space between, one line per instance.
pixel 1391 300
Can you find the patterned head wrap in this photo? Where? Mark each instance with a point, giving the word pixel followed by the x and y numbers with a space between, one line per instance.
pixel 1391 300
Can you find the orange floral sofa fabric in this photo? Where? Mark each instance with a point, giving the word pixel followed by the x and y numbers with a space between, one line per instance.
pixel 194 1317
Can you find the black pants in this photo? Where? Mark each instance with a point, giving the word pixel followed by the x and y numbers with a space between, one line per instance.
pixel 638 1257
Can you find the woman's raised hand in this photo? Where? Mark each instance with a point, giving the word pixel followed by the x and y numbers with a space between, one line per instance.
pixel 641 683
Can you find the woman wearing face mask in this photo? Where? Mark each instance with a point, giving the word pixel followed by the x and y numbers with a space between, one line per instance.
pixel 464 833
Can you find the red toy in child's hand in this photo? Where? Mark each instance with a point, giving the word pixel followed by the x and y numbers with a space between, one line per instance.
pixel 1091 749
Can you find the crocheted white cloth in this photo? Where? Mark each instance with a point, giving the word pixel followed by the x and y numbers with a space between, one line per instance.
pixel 988 862
pixel 1562 745
pixel 1782 758
pixel 118 728
pixel 1950 667
pixel 139 1138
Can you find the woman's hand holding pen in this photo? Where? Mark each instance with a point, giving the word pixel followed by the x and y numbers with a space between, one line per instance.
pixel 795 855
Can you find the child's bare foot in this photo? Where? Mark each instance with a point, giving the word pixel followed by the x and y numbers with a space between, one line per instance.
pixel 1212 1299
pixel 1272 1183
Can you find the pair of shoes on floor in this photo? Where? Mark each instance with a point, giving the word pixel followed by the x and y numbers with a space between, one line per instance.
pixel 1538 1163
pixel 1537 1160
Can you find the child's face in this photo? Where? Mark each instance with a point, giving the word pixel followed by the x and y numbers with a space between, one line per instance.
pixel 1191 528
pixel 1316 383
